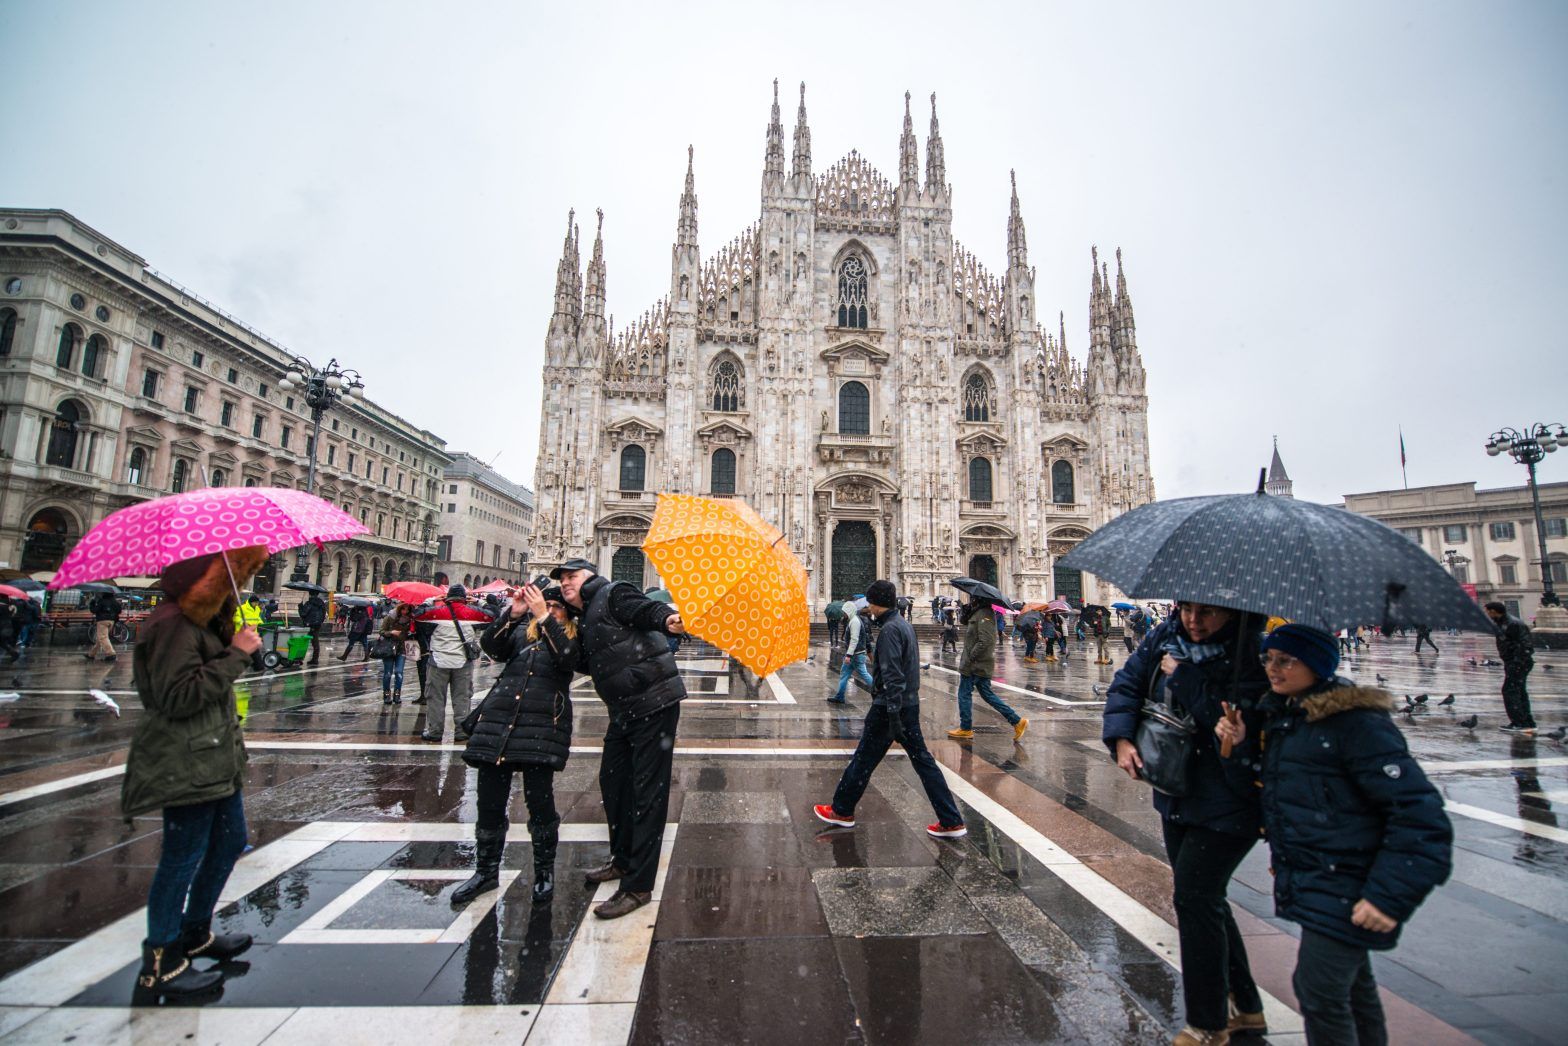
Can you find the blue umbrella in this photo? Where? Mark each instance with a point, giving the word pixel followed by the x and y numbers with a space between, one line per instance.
pixel 1123 606
pixel 1311 563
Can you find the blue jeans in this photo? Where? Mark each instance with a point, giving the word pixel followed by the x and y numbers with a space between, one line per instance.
pixel 853 666
pixel 201 842
pixel 392 672
pixel 874 742
pixel 966 716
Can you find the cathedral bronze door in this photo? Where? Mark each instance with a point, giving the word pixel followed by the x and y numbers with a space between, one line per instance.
pixel 854 558
pixel 1069 585
pixel 983 568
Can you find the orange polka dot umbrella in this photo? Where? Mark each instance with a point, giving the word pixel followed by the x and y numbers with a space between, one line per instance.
pixel 733 579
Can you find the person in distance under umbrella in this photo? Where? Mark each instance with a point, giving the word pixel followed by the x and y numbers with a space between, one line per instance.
pixel 1203 660
pixel 1356 832
pixel 454 647
pixel 625 648
pixel 976 666
pixel 894 716
pixel 524 724
pixel 187 758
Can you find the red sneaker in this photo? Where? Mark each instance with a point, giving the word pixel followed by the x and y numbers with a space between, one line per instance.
pixel 947 831
pixel 825 812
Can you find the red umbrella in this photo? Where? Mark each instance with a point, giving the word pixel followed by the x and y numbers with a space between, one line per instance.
pixel 411 591
pixel 498 585
pixel 150 535
pixel 12 593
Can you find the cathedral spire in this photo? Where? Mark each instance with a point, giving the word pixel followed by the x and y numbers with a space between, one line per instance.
pixel 686 227
pixel 568 297
pixel 1121 283
pixel 936 164
pixel 773 160
pixel 1279 483
pixel 802 139
pixel 1017 246
pixel 594 297
pixel 908 156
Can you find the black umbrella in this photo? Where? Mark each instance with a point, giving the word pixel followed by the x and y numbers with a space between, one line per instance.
pixel 96 588
pixel 304 586
pixel 1278 556
pixel 26 584
pixel 980 590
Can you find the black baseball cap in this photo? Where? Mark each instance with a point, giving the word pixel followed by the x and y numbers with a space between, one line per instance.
pixel 570 565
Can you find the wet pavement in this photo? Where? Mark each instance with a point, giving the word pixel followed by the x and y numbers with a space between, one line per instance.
pixel 1051 922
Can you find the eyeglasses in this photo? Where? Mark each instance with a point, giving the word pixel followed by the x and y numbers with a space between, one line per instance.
pixel 556 606
pixel 1272 659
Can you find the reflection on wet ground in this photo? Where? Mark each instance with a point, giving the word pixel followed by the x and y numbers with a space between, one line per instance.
pixel 1049 923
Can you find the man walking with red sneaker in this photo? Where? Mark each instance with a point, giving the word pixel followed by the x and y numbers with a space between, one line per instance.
pixel 894 716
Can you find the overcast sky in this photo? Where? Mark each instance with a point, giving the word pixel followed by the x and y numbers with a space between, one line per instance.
pixel 1337 218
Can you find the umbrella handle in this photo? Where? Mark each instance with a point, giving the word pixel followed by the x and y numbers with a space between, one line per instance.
pixel 232 584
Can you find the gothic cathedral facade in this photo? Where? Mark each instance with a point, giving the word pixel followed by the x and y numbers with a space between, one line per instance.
pixel 858 377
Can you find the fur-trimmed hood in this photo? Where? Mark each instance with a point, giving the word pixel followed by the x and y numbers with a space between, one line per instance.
pixel 201 586
pixel 1345 698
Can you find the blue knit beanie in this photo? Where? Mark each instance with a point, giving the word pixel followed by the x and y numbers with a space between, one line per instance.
pixel 1313 647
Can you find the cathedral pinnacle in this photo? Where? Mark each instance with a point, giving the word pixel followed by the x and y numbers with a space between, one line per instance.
pixel 908 154
pixel 686 226
pixel 594 296
pixel 936 164
pixel 773 161
pixel 1017 245
pixel 802 139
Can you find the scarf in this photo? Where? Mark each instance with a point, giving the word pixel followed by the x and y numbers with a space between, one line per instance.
pixel 1184 649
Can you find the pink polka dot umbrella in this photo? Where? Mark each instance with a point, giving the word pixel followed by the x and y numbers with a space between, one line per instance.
pixel 148 536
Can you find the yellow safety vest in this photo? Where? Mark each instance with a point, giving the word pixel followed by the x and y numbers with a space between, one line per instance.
pixel 247 613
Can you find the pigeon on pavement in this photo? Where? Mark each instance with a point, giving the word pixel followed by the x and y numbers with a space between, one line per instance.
pixel 1421 699
pixel 1556 735
pixel 1469 724
pixel 1445 702
pixel 1380 678
pixel 105 700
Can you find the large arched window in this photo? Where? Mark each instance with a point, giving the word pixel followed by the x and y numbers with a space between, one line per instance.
pixel 70 338
pixel 93 355
pixel 853 280
pixel 62 436
pixel 1062 484
pixel 136 466
pixel 979 479
pixel 7 330
pixel 854 408
pixel 626 565
pixel 977 398
pixel 180 476
pixel 728 394
pixel 219 478
pixel 634 467
pixel 724 471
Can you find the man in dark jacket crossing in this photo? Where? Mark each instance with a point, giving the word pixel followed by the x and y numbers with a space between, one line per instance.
pixel 625 648
pixel 894 716
pixel 313 614
pixel 1515 650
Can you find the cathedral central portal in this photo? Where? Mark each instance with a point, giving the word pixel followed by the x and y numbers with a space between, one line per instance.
pixel 855 374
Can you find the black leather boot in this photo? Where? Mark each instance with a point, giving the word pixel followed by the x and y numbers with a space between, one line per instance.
pixel 167 973
pixel 386 693
pixel 488 845
pixel 200 942
pixel 397 694
pixel 545 838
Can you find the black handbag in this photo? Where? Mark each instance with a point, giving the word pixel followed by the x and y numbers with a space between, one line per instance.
pixel 1164 741
pixel 385 647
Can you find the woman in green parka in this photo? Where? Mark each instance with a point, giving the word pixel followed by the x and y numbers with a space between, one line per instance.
pixel 187 759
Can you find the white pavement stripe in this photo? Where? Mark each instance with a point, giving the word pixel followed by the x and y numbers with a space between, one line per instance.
pixel 76 781
pixel 1518 824
pixel 1436 766
pixel 1126 911
pixel 21 795
pixel 1021 690
pixel 781 693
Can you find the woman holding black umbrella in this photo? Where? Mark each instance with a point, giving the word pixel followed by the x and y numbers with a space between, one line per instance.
pixel 1203 662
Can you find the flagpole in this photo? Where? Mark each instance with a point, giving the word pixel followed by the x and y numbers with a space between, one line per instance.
pixel 1402 470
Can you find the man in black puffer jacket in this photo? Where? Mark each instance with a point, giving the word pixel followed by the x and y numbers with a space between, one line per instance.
pixel 524 724
pixel 625 648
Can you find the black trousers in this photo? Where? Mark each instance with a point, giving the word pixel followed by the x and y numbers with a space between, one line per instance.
pixel 634 784
pixel 1337 993
pixel 494 794
pixel 1213 957
pixel 1427 639
pixel 1516 699
pixel 875 739
pixel 315 644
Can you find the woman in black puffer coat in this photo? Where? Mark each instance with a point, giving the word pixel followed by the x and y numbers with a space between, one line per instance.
pixel 523 724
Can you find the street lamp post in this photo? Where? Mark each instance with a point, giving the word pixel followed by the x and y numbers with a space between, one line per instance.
pixel 322 388
pixel 1528 448
pixel 427 563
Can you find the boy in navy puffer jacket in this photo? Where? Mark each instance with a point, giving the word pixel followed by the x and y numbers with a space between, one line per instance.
pixel 1357 833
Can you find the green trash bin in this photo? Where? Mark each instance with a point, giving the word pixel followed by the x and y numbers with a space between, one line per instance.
pixel 299 646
